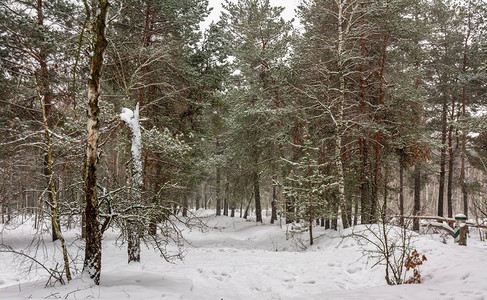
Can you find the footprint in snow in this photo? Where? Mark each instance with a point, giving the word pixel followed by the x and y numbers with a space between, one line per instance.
pixel 354 270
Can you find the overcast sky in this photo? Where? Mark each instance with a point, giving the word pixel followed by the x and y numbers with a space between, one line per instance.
pixel 288 14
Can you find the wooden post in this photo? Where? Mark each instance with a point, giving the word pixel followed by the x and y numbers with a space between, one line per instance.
pixel 463 235
pixel 460 220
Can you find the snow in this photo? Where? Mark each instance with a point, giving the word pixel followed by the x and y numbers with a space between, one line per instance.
pixel 445 226
pixel 239 259
pixel 460 217
pixel 132 119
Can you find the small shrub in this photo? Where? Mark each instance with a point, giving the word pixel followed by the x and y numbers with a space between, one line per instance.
pixel 413 261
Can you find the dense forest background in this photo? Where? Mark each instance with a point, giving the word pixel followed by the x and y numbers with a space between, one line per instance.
pixel 371 109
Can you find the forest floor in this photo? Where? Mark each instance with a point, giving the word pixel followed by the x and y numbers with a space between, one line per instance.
pixel 238 259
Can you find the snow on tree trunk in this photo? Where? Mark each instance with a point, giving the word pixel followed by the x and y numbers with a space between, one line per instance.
pixel 92 261
pixel 131 118
pixel 339 118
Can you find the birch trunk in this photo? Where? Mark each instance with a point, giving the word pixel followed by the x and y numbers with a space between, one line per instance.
pixel 92 261
pixel 339 117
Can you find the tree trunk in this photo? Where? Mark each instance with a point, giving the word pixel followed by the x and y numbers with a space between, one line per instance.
pixel 417 195
pixel 133 224
pixel 463 182
pixel 384 210
pixel 365 200
pixel 83 225
pixel 133 242
pixel 274 202
pixel 92 261
pixel 258 209
pixel 227 197
pixel 246 214
pixel 297 139
pixel 51 185
pixel 451 158
pixel 218 192
pixel 401 193
pixel 339 116
pixel 375 187
pixel 197 199
pixel 310 207
pixel 205 195
pixel 45 93
pixel 355 213
pixel 185 206
pixel 3 211
pixel 441 191
pixel 153 226
pixel 241 208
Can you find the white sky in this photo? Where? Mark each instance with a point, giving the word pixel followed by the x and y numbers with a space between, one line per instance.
pixel 288 14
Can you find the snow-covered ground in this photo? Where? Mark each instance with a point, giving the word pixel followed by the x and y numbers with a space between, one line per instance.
pixel 239 259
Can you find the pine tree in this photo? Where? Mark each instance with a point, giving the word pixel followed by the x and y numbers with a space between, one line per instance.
pixel 258 39
pixel 308 185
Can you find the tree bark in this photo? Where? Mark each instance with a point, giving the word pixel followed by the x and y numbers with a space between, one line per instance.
pixel 197 198
pixel 92 261
pixel 375 187
pixel 401 193
pixel 51 185
pixel 297 139
pixel 218 181
pixel 417 195
pixel 133 224
pixel 205 195
pixel 227 197
pixel 274 202
pixel 451 159
pixel 45 92
pixel 218 192
pixel 340 113
pixel 441 191
pixel 185 206
pixel 463 182
pixel 365 178
pixel 258 209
